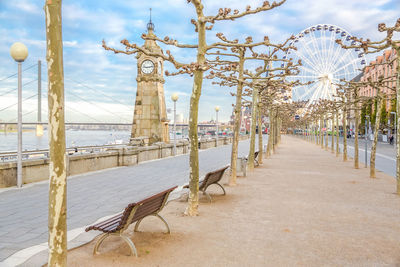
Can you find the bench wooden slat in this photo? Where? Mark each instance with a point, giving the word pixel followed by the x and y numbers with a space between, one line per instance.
pixel 110 220
pixel 134 212
pixel 147 206
pixel 111 227
pixel 211 178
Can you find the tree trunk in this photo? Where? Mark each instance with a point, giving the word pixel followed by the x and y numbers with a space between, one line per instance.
pixel 398 121
pixel 238 118
pixel 332 133
pixel 279 130
pixel 260 136
pixel 315 133
pixel 57 221
pixel 270 132
pixel 274 140
pixel 193 203
pixel 356 115
pixel 321 137
pixel 337 133
pixel 253 129
pixel 372 173
pixel 344 134
pixel 326 132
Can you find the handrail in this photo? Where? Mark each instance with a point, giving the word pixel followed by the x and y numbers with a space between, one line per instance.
pixel 10 156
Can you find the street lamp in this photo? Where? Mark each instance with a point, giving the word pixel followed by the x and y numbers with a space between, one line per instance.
pixel 19 53
pixel 174 98
pixel 366 141
pixel 216 123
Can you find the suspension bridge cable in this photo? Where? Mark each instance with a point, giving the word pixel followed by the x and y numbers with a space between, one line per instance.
pixel 8 92
pixel 25 84
pixel 98 91
pixel 77 111
pixel 15 74
pixel 115 114
pixel 17 102
pixel 27 113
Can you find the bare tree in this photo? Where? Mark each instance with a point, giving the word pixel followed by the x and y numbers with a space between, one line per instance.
pixel 368 47
pixel 381 83
pixel 196 69
pixel 229 68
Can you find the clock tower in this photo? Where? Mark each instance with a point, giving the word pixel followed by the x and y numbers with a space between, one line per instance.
pixel 150 121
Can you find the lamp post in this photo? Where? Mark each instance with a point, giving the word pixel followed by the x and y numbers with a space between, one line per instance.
pixel 216 123
pixel 174 98
pixel 366 141
pixel 19 53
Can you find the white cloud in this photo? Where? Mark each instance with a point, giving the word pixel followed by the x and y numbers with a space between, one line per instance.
pixel 86 23
pixel 26 6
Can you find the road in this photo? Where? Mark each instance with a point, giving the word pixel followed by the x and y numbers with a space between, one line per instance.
pixel 23 212
pixel 385 154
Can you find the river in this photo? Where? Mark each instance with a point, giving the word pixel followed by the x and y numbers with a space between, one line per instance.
pixel 9 141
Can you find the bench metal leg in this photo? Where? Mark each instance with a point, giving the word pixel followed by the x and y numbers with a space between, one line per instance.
pixel 165 222
pixel 132 247
pixel 130 244
pixel 156 215
pixel 98 243
pixel 208 195
pixel 223 189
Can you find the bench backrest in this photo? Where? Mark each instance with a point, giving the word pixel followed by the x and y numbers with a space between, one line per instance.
pixel 213 177
pixel 136 211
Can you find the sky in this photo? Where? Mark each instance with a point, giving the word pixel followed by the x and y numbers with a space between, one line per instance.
pixel 100 86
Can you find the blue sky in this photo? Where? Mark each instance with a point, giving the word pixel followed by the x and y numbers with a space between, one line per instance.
pixel 102 85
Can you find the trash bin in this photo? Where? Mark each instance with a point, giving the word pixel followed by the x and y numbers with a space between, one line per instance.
pixel 241 165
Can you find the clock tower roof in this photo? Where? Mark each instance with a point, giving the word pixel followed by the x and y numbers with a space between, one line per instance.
pixel 150 25
pixel 151 44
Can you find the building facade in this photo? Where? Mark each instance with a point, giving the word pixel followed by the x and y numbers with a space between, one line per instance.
pixel 377 68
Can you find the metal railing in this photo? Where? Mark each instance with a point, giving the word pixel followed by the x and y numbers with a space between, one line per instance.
pixel 44 154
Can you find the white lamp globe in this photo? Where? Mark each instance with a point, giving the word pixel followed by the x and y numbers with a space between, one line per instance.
pixel 174 97
pixel 19 52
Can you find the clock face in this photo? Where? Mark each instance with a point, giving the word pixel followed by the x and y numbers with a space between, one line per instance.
pixel 147 66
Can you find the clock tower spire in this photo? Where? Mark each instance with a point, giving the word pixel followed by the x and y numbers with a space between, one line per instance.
pixel 150 117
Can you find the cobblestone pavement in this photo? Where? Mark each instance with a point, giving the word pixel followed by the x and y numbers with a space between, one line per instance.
pixel 23 212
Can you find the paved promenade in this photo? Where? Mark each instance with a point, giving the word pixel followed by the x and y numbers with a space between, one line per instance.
pixel 23 212
pixel 302 207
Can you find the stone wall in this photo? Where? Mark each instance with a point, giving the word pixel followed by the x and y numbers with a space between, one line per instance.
pixel 35 170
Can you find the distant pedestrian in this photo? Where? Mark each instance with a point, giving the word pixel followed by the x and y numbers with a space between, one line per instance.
pixel 391 139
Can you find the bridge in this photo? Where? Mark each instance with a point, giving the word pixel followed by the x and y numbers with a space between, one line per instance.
pixel 34 74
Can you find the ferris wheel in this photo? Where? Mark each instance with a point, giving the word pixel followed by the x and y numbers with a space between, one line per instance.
pixel 324 62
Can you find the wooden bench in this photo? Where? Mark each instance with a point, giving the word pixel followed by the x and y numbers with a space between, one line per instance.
pixel 256 163
pixel 134 212
pixel 211 178
pixel 256 158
